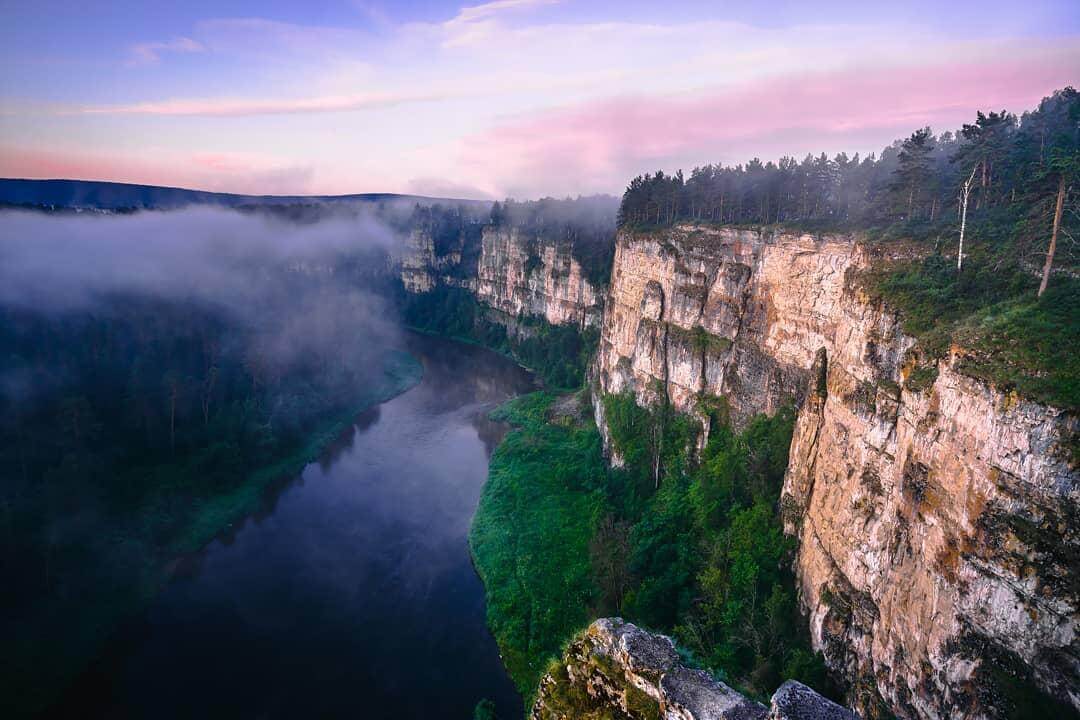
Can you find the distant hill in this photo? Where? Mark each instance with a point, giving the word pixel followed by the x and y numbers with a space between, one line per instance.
pixel 118 196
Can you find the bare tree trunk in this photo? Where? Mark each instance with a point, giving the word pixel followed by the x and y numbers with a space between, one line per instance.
pixel 659 429
pixel 1053 236
pixel 965 193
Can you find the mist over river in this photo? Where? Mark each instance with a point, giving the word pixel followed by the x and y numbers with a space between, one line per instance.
pixel 352 593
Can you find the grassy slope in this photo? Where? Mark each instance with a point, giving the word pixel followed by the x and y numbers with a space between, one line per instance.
pixel 530 536
pixel 1010 337
pixel 697 557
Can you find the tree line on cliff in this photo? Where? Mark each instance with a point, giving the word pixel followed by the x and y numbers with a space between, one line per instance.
pixel 979 228
pixel 1017 161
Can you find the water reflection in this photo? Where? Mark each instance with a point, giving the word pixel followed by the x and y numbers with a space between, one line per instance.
pixel 352 593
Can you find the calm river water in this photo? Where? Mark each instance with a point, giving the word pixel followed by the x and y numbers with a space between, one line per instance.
pixel 352 594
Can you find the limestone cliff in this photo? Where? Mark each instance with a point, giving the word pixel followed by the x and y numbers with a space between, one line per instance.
pixel 516 274
pixel 520 275
pixel 617 671
pixel 937 520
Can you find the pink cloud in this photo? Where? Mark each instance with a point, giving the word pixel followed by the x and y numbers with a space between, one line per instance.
pixel 600 145
pixel 235 107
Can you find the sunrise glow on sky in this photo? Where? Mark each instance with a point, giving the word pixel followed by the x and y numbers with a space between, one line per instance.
pixel 511 97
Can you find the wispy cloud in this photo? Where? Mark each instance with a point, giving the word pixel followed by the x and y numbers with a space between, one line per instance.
pixel 475 23
pixel 150 53
pixel 487 10
pixel 517 96
pixel 234 107
pixel 240 172
pixel 601 144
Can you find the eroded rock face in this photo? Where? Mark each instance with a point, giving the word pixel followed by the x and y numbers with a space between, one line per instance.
pixel 520 275
pixel 516 274
pixel 418 272
pixel 722 312
pixel 937 522
pixel 617 670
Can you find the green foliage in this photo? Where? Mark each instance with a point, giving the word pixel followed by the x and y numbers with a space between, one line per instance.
pixel 530 536
pixel 702 552
pixel 485 710
pixel 1009 336
pixel 921 377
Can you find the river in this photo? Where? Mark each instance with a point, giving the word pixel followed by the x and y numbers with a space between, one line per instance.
pixel 351 594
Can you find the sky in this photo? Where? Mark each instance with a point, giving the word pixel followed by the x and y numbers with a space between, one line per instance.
pixel 509 98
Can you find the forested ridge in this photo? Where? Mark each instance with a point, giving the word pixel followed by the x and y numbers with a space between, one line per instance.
pixel 1013 162
pixel 691 543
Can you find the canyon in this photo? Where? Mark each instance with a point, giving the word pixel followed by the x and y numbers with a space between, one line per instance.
pixel 935 514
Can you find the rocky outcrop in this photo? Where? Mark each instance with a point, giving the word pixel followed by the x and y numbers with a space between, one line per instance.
pixel 937 517
pixel 617 670
pixel 418 269
pixel 517 275
pixel 523 275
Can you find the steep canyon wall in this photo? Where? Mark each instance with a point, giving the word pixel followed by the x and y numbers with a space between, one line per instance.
pixel 511 272
pixel 936 521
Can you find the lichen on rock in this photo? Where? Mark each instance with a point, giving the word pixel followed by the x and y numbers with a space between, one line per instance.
pixel 614 670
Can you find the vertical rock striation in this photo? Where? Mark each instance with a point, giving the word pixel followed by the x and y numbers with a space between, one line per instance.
pixel 937 521
pixel 520 275
pixel 517 275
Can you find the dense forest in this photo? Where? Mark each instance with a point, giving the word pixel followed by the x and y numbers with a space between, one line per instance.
pixel 1004 161
pixel 974 234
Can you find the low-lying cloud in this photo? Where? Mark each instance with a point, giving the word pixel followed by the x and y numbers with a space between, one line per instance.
pixel 294 291
pixel 72 261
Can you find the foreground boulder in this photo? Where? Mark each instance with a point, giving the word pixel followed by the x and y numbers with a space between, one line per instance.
pixel 617 671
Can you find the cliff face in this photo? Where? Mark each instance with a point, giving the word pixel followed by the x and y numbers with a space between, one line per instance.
pixel 522 276
pixel 937 521
pixel 616 670
pixel 419 271
pixel 516 274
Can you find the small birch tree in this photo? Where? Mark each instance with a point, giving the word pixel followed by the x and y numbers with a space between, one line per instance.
pixel 965 193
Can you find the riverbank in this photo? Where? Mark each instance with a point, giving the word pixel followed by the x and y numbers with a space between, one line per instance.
pixel 530 537
pixel 347 583
pixel 34 667
pixel 401 372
